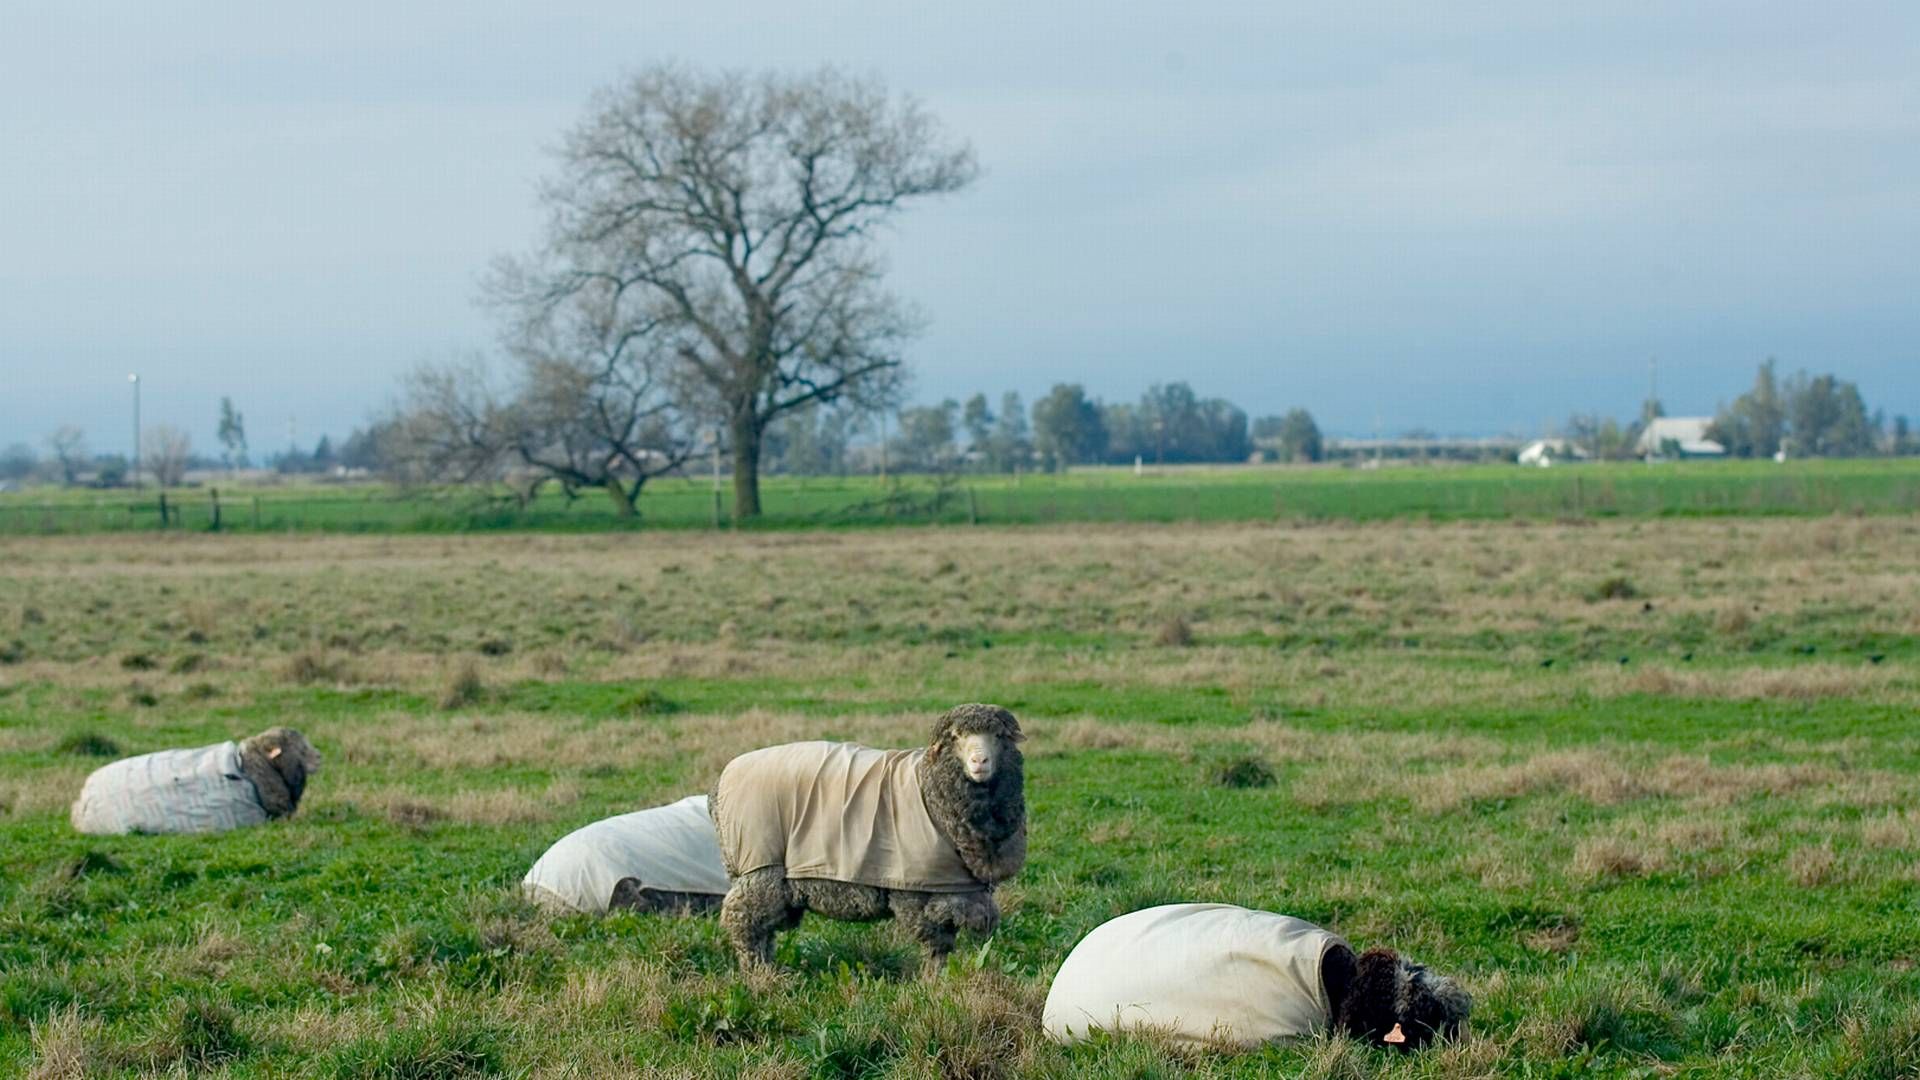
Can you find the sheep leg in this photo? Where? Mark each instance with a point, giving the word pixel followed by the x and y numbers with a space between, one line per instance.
pixel 755 908
pixel 929 921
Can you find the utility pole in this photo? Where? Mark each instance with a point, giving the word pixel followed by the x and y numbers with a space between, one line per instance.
pixel 135 380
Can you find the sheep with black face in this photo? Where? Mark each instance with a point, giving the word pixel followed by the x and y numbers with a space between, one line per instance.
pixel 858 834
pixel 1217 973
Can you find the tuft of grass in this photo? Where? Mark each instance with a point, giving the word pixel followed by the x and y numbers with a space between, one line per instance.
pixel 199 691
pixel 1175 633
pixel 1617 587
pixel 69 1045
pixel 187 663
pixel 91 862
pixel 1809 865
pixel 649 702
pixel 1244 772
pixel 87 744
pixel 199 1034
pixel 463 687
pixel 450 1044
pixel 139 661
pixel 12 652
pixel 310 667
pixel 1614 857
pixel 1878 1048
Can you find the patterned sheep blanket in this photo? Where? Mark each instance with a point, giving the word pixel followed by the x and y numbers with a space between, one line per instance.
pixel 837 812
pixel 671 848
pixel 173 791
pixel 1202 973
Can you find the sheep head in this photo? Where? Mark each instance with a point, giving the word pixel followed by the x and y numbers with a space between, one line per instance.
pixel 1393 1001
pixel 982 739
pixel 289 754
pixel 974 784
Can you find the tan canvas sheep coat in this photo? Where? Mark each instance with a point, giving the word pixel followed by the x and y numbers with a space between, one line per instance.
pixel 1201 973
pixel 836 812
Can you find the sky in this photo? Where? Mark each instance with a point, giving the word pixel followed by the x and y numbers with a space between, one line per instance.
pixel 1471 219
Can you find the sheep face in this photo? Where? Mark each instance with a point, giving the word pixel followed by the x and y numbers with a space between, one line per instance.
pixel 981 739
pixel 980 756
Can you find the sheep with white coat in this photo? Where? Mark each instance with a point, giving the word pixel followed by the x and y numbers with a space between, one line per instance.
pixel 665 858
pixel 208 789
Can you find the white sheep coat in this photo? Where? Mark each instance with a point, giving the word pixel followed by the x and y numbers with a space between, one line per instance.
pixel 1200 973
pixel 836 812
pixel 203 790
pixel 671 847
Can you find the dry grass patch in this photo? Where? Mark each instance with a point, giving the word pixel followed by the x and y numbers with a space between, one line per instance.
pixel 1805 682
pixel 1810 865
pixel 463 686
pixel 69 1045
pixel 312 667
pixel 1603 857
pixel 1893 829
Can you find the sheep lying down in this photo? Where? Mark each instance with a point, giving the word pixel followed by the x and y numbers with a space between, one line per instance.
pixel 209 789
pixel 662 858
pixel 1216 973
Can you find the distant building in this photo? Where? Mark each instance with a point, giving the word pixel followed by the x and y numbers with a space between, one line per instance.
pixel 1684 436
pixel 1541 453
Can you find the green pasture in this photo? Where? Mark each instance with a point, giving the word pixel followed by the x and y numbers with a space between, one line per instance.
pixel 1235 493
pixel 1646 786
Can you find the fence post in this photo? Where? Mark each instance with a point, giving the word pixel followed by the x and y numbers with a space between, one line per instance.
pixel 213 493
pixel 973 507
pixel 163 509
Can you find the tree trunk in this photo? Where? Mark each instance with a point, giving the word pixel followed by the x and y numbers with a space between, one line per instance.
pixel 623 498
pixel 746 467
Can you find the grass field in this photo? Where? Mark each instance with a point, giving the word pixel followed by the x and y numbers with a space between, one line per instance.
pixel 1226 493
pixel 1649 786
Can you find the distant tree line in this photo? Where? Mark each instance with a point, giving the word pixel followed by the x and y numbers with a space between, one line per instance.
pixel 567 418
pixel 1170 424
pixel 1803 415
pixel 1807 416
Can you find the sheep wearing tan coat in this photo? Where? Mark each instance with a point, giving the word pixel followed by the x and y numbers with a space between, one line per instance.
pixel 856 834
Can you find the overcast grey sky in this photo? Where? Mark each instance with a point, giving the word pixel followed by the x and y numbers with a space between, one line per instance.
pixel 1470 218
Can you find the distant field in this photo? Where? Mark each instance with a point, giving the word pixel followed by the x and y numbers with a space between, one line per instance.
pixel 1648 786
pixel 1229 493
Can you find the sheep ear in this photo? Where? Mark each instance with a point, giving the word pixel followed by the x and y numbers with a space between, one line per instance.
pixel 273 753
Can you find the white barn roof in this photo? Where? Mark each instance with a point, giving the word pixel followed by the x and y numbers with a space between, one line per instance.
pixel 1689 431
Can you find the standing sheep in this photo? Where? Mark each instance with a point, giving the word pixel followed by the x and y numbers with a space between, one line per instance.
pixel 215 788
pixel 858 834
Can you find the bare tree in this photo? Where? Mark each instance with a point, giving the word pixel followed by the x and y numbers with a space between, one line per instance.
pixel 731 218
pixel 591 404
pixel 166 449
pixel 233 435
pixel 69 446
